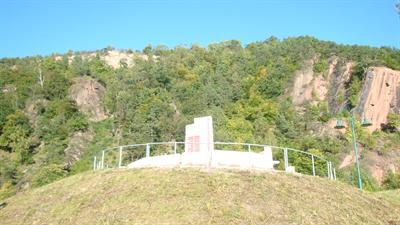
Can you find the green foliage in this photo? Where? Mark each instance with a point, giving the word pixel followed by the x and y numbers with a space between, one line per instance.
pixel 48 174
pixel 321 66
pixel 60 118
pixel 7 190
pixel 80 66
pixel 391 180
pixel 364 137
pixel 8 169
pixel 16 137
pixel 354 90
pixel 393 124
pixel 7 108
pixel 56 86
pixel 103 138
pixel 350 176
pixel 303 163
pixel 9 175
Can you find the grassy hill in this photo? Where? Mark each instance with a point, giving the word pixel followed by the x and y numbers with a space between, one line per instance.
pixel 192 196
pixel 391 195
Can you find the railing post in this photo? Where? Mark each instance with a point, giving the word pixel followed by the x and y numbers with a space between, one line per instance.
pixel 120 157
pixel 330 170
pixel 94 164
pixel 102 159
pixel 175 147
pixel 249 147
pixel 147 150
pixel 313 165
pixel 286 158
pixel 334 173
pixel 328 167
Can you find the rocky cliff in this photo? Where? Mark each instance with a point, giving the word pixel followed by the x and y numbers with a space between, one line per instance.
pixel 380 96
pixel 113 58
pixel 88 95
pixel 317 87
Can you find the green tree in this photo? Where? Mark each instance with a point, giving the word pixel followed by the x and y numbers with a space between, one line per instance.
pixel 16 137
pixel 56 86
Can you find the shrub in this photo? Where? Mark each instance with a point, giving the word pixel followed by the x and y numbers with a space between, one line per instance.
pixel 48 174
pixel 321 66
pixel 391 180
pixel 350 176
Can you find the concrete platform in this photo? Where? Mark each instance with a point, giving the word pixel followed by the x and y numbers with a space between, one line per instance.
pixel 214 159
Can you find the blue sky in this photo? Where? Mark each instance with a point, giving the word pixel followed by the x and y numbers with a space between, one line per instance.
pixel 31 27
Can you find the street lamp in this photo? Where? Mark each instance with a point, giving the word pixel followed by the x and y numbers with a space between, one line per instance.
pixel 365 123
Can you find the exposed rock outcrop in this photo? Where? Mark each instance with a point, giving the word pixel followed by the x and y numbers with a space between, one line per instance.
pixel 378 164
pixel 380 95
pixel 339 76
pixel 113 58
pixel 314 88
pixel 88 95
pixel 302 88
pixel 32 108
pixel 77 146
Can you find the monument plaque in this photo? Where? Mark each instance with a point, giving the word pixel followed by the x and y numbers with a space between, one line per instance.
pixel 199 135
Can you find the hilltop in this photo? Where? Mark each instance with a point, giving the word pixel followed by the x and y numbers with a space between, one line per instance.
pixel 193 196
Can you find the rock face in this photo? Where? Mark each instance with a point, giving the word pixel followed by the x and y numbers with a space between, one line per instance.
pixel 77 146
pixel 303 84
pixel 339 75
pixel 313 88
pixel 379 164
pixel 113 58
pixel 32 110
pixel 88 95
pixel 380 96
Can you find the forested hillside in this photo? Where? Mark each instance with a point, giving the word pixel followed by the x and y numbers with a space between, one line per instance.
pixel 57 111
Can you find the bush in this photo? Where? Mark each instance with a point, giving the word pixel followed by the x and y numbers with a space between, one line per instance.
pixel 393 124
pixel 321 66
pixel 77 123
pixel 350 176
pixel 7 190
pixel 56 86
pixel 391 180
pixel 48 174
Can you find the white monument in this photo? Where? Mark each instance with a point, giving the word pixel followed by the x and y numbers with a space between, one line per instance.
pixel 200 152
pixel 199 136
pixel 199 142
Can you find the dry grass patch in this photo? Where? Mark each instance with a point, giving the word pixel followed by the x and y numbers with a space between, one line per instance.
pixel 194 196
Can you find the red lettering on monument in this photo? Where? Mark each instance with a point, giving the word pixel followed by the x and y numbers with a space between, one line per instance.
pixel 193 142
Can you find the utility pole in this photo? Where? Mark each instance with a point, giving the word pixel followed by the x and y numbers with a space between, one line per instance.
pixel 41 79
pixel 364 123
pixel 352 124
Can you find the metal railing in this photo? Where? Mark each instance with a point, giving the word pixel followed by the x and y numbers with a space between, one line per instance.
pixel 304 162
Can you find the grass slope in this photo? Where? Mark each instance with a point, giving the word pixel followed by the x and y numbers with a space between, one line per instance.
pixel 192 196
pixel 391 195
